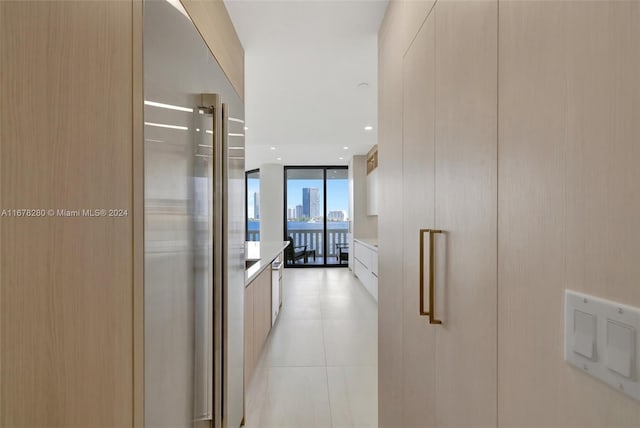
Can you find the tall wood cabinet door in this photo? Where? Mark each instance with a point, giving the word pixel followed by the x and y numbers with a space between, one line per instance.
pixel 390 269
pixel 418 213
pixel 569 201
pixel 466 210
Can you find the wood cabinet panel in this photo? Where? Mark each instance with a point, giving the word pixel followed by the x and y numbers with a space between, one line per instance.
pixel 565 206
pixel 66 302
pixel 258 316
pixel 249 351
pixel 257 320
pixel 418 187
pixel 466 210
pixel 567 151
pixel 390 297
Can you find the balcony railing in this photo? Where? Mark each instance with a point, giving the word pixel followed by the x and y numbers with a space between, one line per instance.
pixel 314 240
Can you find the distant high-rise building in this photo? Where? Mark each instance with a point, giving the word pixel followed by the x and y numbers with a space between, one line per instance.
pixel 299 211
pixel 256 205
pixel 314 196
pixel 306 202
pixel 291 213
pixel 336 216
pixel 310 202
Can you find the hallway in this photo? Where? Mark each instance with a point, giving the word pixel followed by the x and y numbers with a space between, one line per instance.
pixel 319 365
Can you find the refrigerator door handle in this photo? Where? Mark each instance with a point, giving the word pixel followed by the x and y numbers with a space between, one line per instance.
pixel 208 316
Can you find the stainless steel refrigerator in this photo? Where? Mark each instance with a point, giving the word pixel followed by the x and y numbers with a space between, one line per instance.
pixel 194 229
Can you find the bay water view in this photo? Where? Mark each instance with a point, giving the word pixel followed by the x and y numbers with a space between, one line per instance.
pixel 303 225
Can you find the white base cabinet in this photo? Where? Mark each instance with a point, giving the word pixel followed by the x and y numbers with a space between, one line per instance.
pixel 365 266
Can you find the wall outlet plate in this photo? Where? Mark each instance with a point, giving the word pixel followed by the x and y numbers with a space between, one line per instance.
pixel 601 339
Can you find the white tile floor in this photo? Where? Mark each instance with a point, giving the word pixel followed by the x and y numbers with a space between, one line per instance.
pixel 319 367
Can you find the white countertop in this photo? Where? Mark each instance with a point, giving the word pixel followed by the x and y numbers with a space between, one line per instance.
pixel 263 253
pixel 372 243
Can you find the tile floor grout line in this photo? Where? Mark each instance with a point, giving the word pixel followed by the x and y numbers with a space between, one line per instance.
pixel 326 371
pixel 324 293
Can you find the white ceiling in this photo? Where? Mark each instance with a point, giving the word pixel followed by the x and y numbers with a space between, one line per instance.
pixel 304 61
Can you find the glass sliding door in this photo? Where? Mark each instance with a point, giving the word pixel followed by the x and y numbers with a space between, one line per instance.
pixel 304 227
pixel 310 192
pixel 253 204
pixel 337 190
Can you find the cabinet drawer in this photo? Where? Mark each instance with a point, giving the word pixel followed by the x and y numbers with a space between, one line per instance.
pixel 374 263
pixel 361 271
pixel 362 254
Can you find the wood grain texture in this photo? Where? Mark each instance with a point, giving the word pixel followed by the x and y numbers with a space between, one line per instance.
pixel 390 272
pixel 138 214
pixel 66 142
pixel 418 188
pixel 257 320
pixel 414 13
pixel 249 352
pixel 466 209
pixel 214 24
pixel 568 200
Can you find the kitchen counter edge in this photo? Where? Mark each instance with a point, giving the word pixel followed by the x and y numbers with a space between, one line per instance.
pixel 269 251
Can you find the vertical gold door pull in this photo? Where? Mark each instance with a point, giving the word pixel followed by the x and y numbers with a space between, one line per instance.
pixel 431 313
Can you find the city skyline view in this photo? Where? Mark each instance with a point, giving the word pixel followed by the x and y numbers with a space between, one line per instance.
pixel 337 196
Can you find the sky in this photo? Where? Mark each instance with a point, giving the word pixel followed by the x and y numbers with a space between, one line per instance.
pixel 337 193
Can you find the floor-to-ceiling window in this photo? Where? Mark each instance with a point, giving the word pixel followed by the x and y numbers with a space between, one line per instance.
pixel 253 204
pixel 316 216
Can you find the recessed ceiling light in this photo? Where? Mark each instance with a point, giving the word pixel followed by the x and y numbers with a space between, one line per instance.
pixel 272 148
pixel 363 85
pixel 278 158
pixel 341 158
pixel 368 128
pixel 346 147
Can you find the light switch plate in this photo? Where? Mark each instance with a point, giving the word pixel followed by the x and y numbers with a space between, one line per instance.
pixel 584 334
pixel 620 348
pixel 601 339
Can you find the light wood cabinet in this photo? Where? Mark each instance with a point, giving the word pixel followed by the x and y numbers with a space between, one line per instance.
pixel 466 210
pixel 249 351
pixel 257 320
pixel 70 287
pixel 568 200
pixel 418 187
pixel 545 204
pixel 449 183
pixel 390 279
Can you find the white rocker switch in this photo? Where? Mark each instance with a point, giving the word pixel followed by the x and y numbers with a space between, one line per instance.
pixel 621 345
pixel 584 334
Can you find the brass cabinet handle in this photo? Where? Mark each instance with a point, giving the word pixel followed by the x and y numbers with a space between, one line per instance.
pixel 431 313
pixel 422 311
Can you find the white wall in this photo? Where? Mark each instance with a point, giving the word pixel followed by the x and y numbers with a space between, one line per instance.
pixel 271 202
